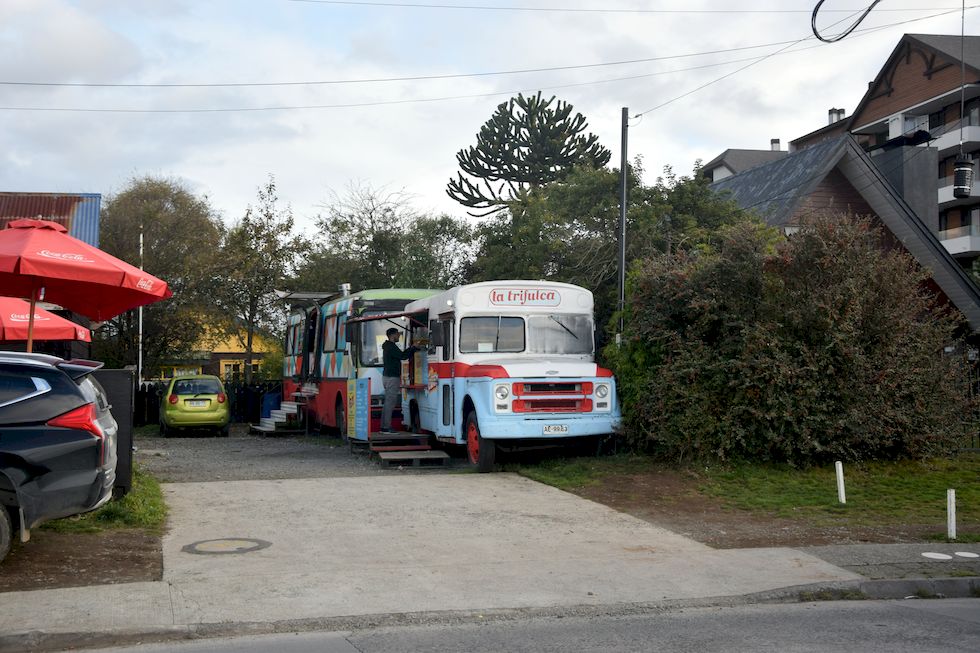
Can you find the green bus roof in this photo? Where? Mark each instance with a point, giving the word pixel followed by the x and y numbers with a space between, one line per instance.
pixel 394 293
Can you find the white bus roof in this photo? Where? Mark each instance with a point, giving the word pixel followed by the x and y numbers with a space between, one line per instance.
pixel 509 295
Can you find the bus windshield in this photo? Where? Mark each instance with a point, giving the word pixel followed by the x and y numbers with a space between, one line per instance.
pixel 560 334
pixel 373 336
pixel 491 334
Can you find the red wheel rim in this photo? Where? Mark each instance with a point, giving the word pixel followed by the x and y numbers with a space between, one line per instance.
pixel 473 442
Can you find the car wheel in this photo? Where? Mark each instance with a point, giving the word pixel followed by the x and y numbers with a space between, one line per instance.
pixel 340 420
pixel 481 452
pixel 6 532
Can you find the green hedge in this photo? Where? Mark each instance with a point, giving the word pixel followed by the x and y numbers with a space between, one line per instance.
pixel 827 345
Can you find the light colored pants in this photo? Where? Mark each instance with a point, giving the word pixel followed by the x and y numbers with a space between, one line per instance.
pixel 392 385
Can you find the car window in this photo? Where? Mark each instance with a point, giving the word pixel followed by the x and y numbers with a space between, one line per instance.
pixel 20 386
pixel 197 387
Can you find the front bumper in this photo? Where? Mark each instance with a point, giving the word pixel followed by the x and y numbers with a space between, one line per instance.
pixel 501 427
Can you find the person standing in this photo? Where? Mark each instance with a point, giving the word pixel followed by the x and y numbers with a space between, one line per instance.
pixel 391 376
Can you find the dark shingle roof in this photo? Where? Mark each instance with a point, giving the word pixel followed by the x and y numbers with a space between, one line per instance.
pixel 773 190
pixel 742 160
pixel 776 189
pixel 949 45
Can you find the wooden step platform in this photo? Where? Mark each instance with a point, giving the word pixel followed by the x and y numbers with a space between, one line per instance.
pixel 413 458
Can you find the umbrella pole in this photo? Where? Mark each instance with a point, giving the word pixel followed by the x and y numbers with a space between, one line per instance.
pixel 30 322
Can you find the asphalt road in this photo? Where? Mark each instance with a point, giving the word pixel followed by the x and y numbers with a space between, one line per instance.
pixel 947 625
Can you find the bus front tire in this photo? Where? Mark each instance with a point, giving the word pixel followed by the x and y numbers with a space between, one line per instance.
pixel 480 452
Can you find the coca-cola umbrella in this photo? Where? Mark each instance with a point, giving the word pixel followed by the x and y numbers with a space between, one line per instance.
pixel 15 319
pixel 39 260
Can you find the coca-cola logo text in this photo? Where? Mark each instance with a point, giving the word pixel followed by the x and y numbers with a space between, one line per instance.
pixel 65 256
pixel 24 317
pixel 145 284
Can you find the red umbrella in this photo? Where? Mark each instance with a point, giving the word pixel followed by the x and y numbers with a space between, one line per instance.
pixel 39 260
pixel 14 322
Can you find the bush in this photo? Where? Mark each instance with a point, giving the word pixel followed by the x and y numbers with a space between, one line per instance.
pixel 823 346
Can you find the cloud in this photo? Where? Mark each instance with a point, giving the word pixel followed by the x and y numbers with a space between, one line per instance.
pixel 408 146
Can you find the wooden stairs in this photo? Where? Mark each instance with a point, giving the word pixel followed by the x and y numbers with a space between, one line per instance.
pixel 401 449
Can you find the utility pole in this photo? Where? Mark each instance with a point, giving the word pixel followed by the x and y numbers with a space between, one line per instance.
pixel 622 224
pixel 139 337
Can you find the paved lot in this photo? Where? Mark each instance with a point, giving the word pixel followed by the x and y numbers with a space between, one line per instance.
pixel 244 457
pixel 341 547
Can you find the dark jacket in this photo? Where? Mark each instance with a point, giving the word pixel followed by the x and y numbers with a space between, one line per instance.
pixel 393 357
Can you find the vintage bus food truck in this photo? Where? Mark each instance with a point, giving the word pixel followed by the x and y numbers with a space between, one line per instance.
pixel 507 364
pixel 320 358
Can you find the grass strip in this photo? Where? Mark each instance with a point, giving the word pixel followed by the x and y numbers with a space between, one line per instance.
pixel 877 493
pixel 142 507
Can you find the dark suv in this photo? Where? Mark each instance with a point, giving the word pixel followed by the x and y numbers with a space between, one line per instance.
pixel 57 442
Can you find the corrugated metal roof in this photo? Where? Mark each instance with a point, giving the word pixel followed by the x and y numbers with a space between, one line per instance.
pixel 79 212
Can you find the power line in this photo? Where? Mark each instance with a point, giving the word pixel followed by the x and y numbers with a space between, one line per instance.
pixel 754 60
pixel 842 35
pixel 779 51
pixel 391 102
pixel 413 78
pixel 420 5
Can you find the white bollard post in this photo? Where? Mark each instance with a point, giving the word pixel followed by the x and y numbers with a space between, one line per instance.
pixel 839 466
pixel 951 514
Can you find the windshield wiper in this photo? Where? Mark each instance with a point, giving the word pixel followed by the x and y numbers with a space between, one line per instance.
pixel 562 325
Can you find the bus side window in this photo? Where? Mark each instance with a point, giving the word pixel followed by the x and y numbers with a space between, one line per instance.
pixel 447 339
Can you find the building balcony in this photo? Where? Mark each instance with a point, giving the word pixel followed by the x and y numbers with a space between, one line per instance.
pixel 946 198
pixel 949 140
pixel 961 241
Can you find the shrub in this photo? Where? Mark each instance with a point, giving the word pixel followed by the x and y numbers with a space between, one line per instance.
pixel 826 345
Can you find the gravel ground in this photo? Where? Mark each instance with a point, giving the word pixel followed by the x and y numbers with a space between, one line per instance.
pixel 242 457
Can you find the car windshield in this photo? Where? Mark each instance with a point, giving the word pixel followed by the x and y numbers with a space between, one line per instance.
pixel 560 334
pixel 197 387
pixel 373 336
pixel 491 334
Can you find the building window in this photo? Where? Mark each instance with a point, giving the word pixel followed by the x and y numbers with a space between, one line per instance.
pixel 937 119
pixel 972 112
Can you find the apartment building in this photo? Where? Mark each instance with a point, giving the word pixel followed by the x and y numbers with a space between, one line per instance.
pixel 911 123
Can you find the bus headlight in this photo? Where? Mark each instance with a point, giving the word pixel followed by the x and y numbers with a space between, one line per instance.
pixel 501 392
pixel 602 391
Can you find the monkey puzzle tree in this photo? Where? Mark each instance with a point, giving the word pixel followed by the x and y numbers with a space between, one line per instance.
pixel 527 143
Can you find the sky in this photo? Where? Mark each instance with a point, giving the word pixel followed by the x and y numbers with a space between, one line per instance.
pixel 78 112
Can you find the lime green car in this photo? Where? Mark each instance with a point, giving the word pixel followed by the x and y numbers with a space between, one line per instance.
pixel 195 402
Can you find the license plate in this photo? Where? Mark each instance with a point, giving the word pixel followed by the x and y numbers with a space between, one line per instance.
pixel 552 429
pixel 197 403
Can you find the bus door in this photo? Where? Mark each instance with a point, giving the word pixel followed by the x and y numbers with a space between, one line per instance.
pixel 440 405
pixel 309 370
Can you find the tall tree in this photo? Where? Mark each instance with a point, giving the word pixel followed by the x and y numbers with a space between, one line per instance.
pixel 569 231
pixel 374 238
pixel 258 255
pixel 527 143
pixel 181 233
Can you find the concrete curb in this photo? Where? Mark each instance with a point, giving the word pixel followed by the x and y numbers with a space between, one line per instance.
pixel 36 641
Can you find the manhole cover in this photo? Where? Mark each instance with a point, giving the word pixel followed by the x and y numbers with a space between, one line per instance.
pixel 226 545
